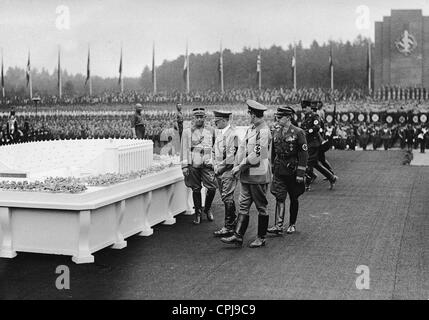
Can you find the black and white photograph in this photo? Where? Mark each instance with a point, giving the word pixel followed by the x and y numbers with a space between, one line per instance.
pixel 214 154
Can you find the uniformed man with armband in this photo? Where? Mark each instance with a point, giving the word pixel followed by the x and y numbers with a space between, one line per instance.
pixel 289 155
pixel 197 163
pixel 224 153
pixel 254 170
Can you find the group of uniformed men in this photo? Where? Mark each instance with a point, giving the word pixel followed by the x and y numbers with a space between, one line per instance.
pixel 278 159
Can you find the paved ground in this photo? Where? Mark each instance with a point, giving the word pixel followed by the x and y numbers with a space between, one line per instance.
pixel 378 216
pixel 420 159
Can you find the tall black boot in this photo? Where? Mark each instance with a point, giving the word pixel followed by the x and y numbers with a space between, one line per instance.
pixel 229 226
pixel 262 232
pixel 208 203
pixel 240 230
pixel 231 220
pixel 277 228
pixel 196 196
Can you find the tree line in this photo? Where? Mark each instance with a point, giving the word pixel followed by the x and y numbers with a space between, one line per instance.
pixel 349 58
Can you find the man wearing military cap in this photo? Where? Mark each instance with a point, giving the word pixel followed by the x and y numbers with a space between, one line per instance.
pixel 197 163
pixel 137 124
pixel 253 168
pixel 289 161
pixel 224 153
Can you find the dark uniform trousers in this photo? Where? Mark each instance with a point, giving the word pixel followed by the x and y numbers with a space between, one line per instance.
pixel 227 184
pixel 196 176
pixel 284 185
pixel 140 131
pixel 256 193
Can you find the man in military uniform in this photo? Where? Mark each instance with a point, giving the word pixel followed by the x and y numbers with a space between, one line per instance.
pixel 253 167
pixel 224 152
pixel 179 119
pixel 401 135
pixel 197 163
pixel 289 161
pixel 376 136
pixel 363 135
pixel 137 125
pixel 386 137
pixel 311 126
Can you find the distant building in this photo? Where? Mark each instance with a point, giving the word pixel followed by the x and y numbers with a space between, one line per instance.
pixel 402 50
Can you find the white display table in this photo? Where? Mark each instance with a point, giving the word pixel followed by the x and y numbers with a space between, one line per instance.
pixel 81 224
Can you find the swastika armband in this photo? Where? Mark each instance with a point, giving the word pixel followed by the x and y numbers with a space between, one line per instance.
pixel 316 122
pixel 304 147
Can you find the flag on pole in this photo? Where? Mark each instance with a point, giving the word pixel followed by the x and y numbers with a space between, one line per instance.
pixel 28 75
pixel 258 69
pixel 368 66
pixel 29 84
pixel 331 68
pixel 186 70
pixel 220 69
pixel 120 82
pixel 88 72
pixel 88 68
pixel 59 74
pixel 2 75
pixel 293 66
pixel 153 69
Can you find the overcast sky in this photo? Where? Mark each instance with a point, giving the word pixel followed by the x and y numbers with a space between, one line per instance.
pixel 32 24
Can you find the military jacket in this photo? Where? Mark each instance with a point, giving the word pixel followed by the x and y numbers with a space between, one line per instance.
pixel 253 157
pixel 225 149
pixel 197 147
pixel 311 126
pixel 289 151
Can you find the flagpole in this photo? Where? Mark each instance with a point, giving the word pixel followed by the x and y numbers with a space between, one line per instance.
pixel 89 68
pixel 60 91
pixel 153 69
pixel 294 67
pixel 121 78
pixel 221 68
pixel 2 75
pixel 260 68
pixel 29 76
pixel 332 70
pixel 369 66
pixel 187 69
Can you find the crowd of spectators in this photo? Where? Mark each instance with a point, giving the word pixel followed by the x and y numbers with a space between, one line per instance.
pixel 272 96
pixel 160 125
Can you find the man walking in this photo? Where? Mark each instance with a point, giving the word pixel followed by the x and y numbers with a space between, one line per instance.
pixel 289 160
pixel 224 152
pixel 253 168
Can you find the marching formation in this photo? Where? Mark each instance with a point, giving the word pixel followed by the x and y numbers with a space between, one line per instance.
pixel 279 159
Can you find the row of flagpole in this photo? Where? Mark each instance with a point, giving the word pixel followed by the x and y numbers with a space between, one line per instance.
pixel 186 71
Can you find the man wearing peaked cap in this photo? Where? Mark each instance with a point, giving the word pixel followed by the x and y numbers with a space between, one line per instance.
pixel 253 168
pixel 138 126
pixel 256 107
pixel 224 153
pixel 289 161
pixel 199 112
pixel 197 163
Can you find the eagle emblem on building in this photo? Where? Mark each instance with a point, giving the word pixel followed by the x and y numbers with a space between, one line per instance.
pixel 406 43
